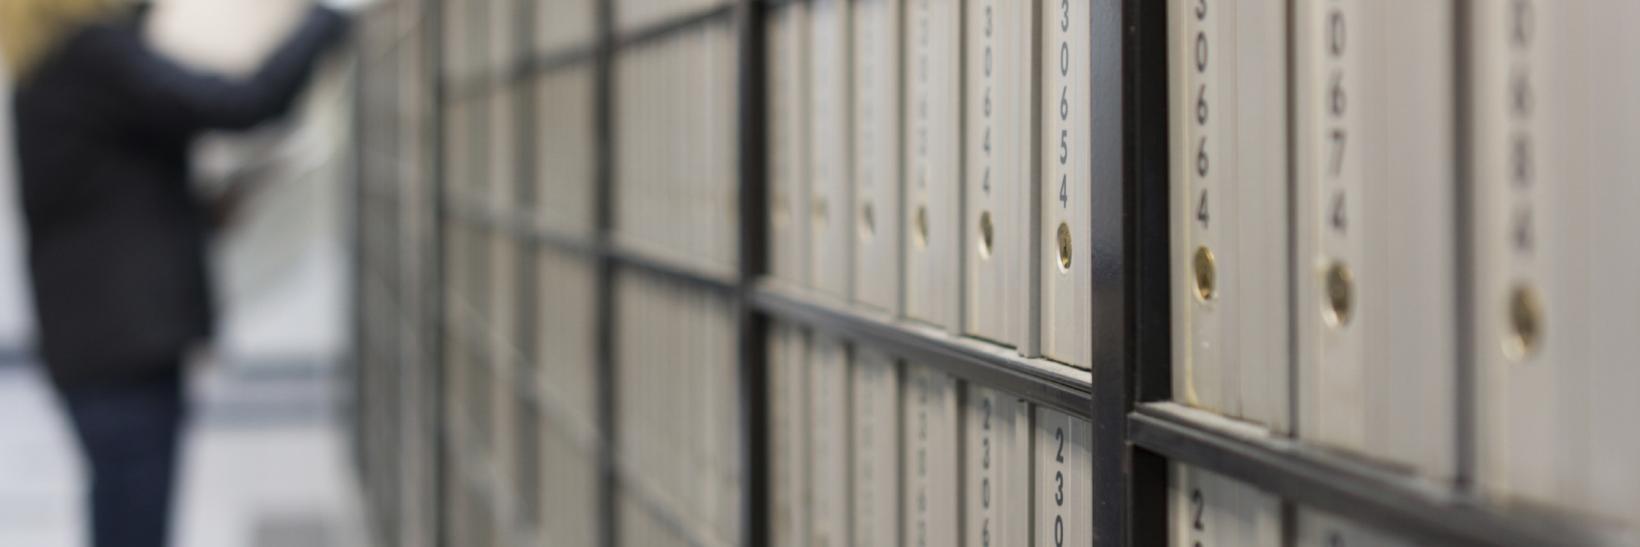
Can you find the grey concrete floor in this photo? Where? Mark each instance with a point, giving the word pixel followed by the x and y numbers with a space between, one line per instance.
pixel 265 463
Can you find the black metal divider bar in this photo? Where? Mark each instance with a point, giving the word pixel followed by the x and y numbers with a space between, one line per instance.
pixel 1111 258
pixel 433 117
pixel 523 224
pixel 751 328
pixel 526 282
pixel 974 361
pixel 1407 507
pixel 1463 215
pixel 1145 130
pixel 604 221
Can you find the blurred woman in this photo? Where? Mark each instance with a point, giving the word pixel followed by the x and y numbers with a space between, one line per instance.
pixel 116 235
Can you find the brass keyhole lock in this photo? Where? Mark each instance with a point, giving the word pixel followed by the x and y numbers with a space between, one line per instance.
pixel 1340 295
pixel 868 220
pixel 920 225
pixel 1525 323
pixel 1205 268
pixel 1064 239
pixel 987 234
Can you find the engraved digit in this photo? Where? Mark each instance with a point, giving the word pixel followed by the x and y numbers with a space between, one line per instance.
pixel 1064 58
pixel 1064 146
pixel 1522 18
pixel 1201 157
pixel 1520 155
pixel 1201 208
pixel 1337 94
pixel 985 404
pixel 1059 435
pixel 1201 105
pixel 1339 138
pixel 1201 52
pixel 1197 504
pixel 1523 230
pixel 1335 32
pixel 1064 103
pixel 1338 219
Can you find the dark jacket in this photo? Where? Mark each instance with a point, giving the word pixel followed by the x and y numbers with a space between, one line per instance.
pixel 116 235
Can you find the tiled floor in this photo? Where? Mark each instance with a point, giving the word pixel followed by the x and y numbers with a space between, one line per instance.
pixel 265 463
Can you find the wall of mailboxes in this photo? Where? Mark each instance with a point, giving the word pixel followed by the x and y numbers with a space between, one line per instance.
pixel 657 272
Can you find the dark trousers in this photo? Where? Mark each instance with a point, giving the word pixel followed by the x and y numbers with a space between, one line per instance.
pixel 129 432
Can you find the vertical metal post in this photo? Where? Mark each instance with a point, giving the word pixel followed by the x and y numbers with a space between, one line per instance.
pixel 522 79
pixel 1145 88
pixel 1289 510
pixel 433 55
pixel 1467 375
pixel 1144 92
pixel 604 168
pixel 750 325
pixel 1111 256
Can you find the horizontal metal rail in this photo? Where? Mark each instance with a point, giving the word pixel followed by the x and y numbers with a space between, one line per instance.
pixel 982 363
pixel 1402 505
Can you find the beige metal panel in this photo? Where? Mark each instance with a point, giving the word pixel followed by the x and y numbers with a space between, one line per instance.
pixel 1319 529
pixel 878 74
pixel 564 155
pixel 933 168
pixel 831 229
pixel 562 25
pixel 829 442
pixel 1066 300
pixel 997 469
pixel 788 88
pixel 876 463
pixel 1064 479
pixel 1228 66
pixel 1375 278
pixel 930 458
pixel 1554 123
pixel 999 91
pixel 1210 510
